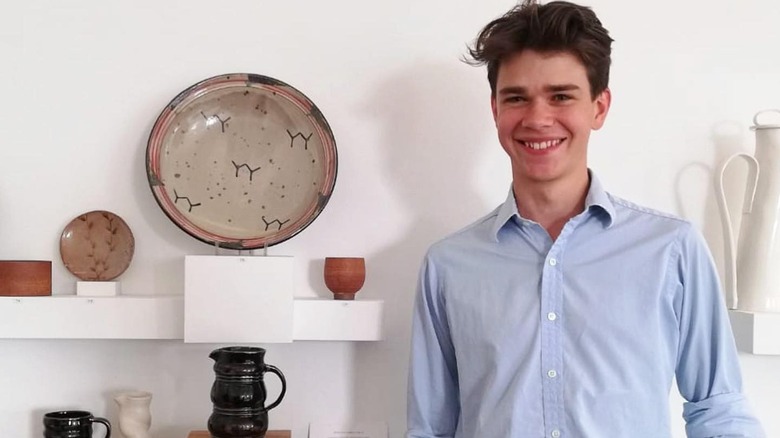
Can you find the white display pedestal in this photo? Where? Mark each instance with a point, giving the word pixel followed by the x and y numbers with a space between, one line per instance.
pixel 326 320
pixel 756 333
pixel 238 299
pixel 97 288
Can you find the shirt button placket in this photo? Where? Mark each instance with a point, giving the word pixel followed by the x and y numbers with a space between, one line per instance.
pixel 552 290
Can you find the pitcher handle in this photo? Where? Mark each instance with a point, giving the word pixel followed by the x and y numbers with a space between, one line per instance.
pixel 728 233
pixel 273 369
pixel 104 422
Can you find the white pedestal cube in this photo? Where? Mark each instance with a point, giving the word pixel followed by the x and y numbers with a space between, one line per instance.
pixel 756 332
pixel 238 299
pixel 328 320
pixel 97 288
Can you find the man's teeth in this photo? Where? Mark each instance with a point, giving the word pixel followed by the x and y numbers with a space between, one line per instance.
pixel 541 144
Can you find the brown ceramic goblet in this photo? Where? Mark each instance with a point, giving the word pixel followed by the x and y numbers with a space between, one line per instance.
pixel 344 276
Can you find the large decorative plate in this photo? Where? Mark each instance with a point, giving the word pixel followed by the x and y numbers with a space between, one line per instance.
pixel 241 161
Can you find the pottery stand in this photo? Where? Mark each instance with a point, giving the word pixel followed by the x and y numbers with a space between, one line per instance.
pixel 238 299
pixel 97 288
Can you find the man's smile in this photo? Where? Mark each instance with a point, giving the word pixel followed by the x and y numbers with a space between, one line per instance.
pixel 539 145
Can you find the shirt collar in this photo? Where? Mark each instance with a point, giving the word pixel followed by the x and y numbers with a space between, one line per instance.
pixel 597 198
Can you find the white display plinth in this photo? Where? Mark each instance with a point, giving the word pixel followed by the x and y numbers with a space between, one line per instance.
pixel 238 299
pixel 756 332
pixel 327 320
pixel 97 288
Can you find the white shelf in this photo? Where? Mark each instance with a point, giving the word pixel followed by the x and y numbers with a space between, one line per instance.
pixel 756 333
pixel 75 317
pixel 162 317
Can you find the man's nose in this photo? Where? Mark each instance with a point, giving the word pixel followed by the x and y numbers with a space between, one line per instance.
pixel 538 115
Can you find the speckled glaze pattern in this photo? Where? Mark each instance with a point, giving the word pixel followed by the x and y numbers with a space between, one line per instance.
pixel 97 246
pixel 241 161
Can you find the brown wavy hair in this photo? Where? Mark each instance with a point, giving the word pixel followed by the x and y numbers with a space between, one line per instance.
pixel 558 26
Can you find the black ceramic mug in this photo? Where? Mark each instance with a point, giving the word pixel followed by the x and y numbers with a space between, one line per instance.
pixel 72 424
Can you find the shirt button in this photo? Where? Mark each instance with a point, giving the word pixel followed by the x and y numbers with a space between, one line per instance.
pixel 552 316
pixel 552 374
pixel 553 262
pixel 555 433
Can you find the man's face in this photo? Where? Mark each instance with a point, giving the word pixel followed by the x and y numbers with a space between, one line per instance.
pixel 544 114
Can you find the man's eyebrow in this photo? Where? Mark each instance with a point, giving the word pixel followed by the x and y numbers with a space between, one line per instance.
pixel 562 87
pixel 548 88
pixel 513 90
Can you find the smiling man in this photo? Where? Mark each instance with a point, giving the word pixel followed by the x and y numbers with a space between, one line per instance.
pixel 567 311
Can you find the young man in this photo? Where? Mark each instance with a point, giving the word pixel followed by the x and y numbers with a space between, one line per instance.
pixel 567 312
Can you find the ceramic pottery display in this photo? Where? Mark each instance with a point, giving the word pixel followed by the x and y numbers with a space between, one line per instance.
pixel 25 277
pixel 135 416
pixel 97 246
pixel 344 276
pixel 753 271
pixel 239 393
pixel 72 424
pixel 241 161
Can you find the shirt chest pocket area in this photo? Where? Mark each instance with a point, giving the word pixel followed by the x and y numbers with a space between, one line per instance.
pixel 489 313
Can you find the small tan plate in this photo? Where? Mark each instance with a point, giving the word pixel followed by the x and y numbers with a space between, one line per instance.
pixel 97 246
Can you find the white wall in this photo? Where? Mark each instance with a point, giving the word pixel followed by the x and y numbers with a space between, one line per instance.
pixel 83 81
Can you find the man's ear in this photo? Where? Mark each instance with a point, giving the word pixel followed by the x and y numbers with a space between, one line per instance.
pixel 601 108
pixel 494 108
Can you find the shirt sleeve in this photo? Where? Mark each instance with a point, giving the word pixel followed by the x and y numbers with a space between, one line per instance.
pixel 708 372
pixel 433 408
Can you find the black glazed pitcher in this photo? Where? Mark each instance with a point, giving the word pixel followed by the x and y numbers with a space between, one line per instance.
pixel 72 424
pixel 238 393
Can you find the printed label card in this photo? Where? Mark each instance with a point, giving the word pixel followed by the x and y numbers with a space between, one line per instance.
pixel 348 430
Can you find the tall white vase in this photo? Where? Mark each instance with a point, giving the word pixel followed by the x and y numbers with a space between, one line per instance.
pixel 753 261
pixel 135 416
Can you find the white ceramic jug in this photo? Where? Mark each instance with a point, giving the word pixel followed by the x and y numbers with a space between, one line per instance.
pixel 753 273
pixel 135 417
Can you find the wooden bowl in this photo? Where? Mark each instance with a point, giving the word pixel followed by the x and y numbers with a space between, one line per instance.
pixel 344 276
pixel 25 277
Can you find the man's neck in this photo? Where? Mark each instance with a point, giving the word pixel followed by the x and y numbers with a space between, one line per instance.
pixel 551 204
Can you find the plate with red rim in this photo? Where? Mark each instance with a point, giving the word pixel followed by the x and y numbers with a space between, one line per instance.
pixel 241 161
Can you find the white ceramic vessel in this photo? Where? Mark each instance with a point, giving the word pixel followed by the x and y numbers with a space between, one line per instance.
pixel 135 417
pixel 753 270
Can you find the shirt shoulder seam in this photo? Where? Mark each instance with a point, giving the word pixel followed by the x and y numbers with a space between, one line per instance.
pixel 616 200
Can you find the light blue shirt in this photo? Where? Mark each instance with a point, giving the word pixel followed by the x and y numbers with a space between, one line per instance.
pixel 516 335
